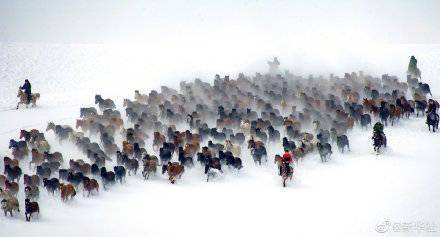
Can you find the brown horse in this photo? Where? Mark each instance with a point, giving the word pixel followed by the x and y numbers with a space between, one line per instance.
pixel 11 187
pixel 83 124
pixel 150 167
pixel 371 106
pixel 42 145
pixel 2 181
pixel 23 98
pixel 277 160
pixel 31 180
pixel 254 144
pixel 80 166
pixel 158 140
pixel 11 162
pixel 67 190
pixel 191 149
pixel 56 156
pixel 30 136
pixel 116 122
pixel 37 158
pixel 178 139
pixel 395 113
pixel 174 170
pixel 298 153
pixel 127 148
pixel 90 185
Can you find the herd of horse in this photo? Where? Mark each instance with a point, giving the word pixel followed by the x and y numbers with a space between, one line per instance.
pixel 209 125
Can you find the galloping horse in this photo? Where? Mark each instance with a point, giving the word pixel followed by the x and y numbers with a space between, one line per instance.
pixel 432 119
pixel 379 140
pixel 23 98
pixel 286 172
pixel 174 170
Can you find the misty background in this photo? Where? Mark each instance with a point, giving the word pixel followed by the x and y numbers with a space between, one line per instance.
pixel 184 22
pixel 113 47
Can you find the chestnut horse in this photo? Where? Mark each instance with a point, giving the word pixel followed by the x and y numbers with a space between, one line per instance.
pixel 127 148
pixel 174 170
pixel 67 190
pixel 158 140
pixel 150 167
pixel 90 185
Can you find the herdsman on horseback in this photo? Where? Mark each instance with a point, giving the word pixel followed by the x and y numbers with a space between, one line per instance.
pixel 379 138
pixel 286 161
pixel 26 87
pixel 432 106
pixel 25 95
pixel 432 118
pixel 273 66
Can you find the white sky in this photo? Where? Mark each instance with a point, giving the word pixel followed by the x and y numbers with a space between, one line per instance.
pixel 278 22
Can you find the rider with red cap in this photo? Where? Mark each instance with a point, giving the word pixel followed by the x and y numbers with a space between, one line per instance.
pixel 286 158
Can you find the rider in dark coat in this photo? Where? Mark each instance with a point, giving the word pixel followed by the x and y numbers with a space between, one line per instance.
pixel 378 134
pixel 27 90
pixel 432 106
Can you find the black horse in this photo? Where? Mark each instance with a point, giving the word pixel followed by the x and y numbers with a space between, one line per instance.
pixel 384 114
pixel 379 140
pixel 286 172
pixel 325 151
pixel 213 165
pixel 342 142
pixel 432 119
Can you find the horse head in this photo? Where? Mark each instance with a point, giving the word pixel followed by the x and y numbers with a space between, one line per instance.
pixel 98 99
pixel 23 133
pixel 50 126
pixel 12 143
pixel 20 93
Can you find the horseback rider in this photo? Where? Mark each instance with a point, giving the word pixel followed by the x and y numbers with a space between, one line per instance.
pixel 273 66
pixel 286 159
pixel 378 130
pixel 27 90
pixel 378 135
pixel 432 118
pixel 432 106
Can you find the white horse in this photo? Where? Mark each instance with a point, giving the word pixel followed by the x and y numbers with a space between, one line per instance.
pixel 245 127
pixel 234 148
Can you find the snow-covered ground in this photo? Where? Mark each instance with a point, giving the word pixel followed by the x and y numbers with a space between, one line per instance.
pixel 349 196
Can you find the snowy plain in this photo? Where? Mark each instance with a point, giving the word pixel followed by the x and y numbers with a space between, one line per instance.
pixel 348 196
